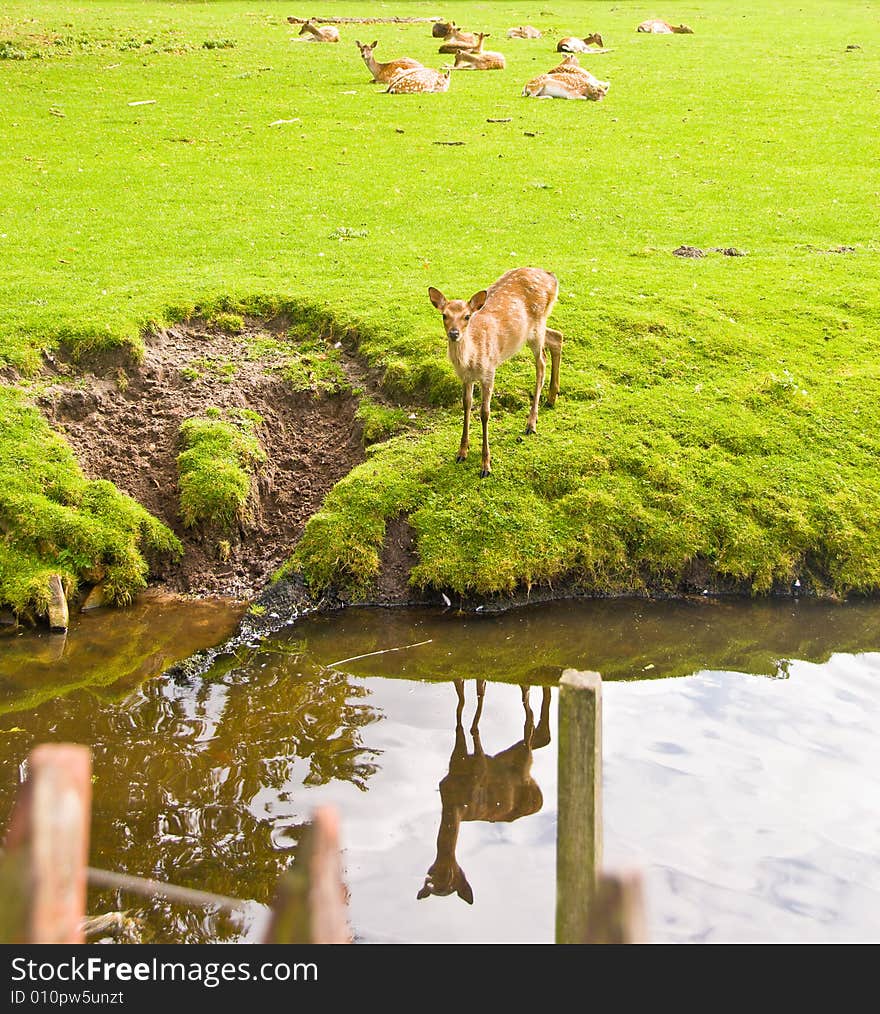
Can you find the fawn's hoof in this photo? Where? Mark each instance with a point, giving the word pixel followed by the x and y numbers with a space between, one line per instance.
pixel 485 473
pixel 459 458
pixel 530 429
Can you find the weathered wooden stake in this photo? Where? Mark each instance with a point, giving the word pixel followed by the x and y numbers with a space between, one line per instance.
pixel 579 802
pixel 43 869
pixel 617 914
pixel 310 903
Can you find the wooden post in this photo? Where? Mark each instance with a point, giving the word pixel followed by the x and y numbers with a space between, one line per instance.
pixel 310 903
pixel 579 802
pixel 43 870
pixel 617 915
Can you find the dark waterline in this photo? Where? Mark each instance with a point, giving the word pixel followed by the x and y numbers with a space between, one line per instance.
pixel 746 800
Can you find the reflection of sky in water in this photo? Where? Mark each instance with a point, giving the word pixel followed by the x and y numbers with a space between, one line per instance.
pixel 752 805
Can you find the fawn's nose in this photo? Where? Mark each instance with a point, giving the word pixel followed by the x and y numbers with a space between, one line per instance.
pixel 454 334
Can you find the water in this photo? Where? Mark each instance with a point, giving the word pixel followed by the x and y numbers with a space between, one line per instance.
pixel 741 764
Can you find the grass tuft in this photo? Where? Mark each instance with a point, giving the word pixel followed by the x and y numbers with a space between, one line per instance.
pixel 216 467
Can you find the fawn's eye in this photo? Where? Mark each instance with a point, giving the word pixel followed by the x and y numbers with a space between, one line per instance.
pixel 467 316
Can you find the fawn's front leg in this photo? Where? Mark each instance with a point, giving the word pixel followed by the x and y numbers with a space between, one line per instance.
pixel 485 407
pixel 467 402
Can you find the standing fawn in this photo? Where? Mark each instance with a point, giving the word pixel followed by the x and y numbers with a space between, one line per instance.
pixel 418 79
pixel 385 72
pixel 489 328
pixel 499 788
pixel 654 26
pixel 476 59
pixel 571 44
pixel 326 33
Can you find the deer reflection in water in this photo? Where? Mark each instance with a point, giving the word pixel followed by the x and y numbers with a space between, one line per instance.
pixel 480 787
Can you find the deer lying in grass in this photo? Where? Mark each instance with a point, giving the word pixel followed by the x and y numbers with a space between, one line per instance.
pixel 523 32
pixel 456 39
pixel 571 44
pixel 564 82
pixel 385 73
pixel 571 67
pixel 324 33
pixel 654 26
pixel 493 325
pixel 477 787
pixel 418 79
pixel 476 59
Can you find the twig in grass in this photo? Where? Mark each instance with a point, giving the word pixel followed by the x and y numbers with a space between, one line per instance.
pixel 384 651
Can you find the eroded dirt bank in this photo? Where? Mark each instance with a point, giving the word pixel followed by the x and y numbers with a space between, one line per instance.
pixel 122 421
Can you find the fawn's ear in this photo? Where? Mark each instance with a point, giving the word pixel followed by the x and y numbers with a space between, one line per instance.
pixel 477 300
pixel 437 298
pixel 374 44
pixel 464 889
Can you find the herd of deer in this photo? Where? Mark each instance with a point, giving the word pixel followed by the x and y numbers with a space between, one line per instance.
pixel 568 80
pixel 495 323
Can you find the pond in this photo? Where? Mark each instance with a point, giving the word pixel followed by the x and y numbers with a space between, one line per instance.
pixel 741 762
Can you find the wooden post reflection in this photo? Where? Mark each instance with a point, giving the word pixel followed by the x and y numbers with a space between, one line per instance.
pixel 617 914
pixel 579 805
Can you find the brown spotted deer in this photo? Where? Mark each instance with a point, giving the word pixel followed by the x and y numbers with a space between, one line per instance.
pixel 523 32
pixel 571 44
pixel 456 39
pixel 324 33
pixel 419 79
pixel 571 66
pixel 493 325
pixel 478 787
pixel 385 73
pixel 564 85
pixel 477 59
pixel 654 26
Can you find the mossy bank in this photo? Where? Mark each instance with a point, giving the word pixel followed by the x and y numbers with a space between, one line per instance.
pixel 718 421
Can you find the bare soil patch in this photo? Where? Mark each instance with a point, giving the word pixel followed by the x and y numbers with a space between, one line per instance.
pixel 123 422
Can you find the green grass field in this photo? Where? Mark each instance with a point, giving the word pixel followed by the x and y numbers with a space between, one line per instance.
pixel 722 409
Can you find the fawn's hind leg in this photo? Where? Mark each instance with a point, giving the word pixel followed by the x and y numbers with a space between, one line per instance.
pixel 553 341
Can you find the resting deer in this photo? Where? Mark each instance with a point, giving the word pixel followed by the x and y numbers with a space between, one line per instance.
pixel 326 33
pixel 488 329
pixel 571 66
pixel 654 26
pixel 419 79
pixel 385 72
pixel 571 44
pixel 523 32
pixel 476 59
pixel 477 787
pixel 564 85
pixel 456 39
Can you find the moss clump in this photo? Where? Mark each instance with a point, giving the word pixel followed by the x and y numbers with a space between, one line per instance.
pixel 228 323
pixel 55 521
pixel 379 421
pixel 216 467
